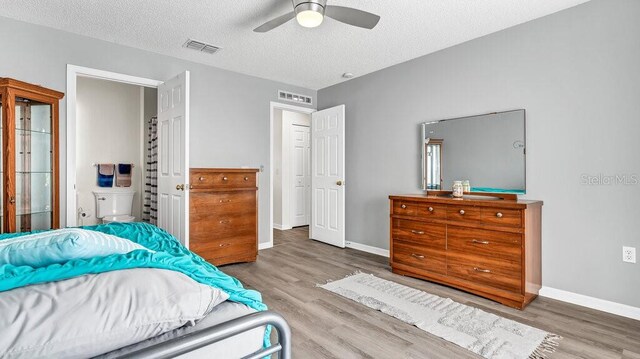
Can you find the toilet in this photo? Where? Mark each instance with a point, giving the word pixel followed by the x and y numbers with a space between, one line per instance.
pixel 114 205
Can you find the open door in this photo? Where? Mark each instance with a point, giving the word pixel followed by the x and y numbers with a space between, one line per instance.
pixel 327 178
pixel 173 157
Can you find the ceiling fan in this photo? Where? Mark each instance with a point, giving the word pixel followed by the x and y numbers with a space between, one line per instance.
pixel 310 13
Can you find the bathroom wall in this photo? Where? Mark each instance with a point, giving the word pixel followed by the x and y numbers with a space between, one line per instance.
pixel 110 127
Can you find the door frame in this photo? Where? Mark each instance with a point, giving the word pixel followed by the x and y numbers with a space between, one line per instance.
pixel 272 108
pixel 73 72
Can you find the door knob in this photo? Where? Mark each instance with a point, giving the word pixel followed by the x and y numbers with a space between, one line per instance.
pixel 12 200
pixel 339 183
pixel 180 187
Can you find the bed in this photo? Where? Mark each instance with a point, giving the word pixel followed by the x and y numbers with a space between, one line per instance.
pixel 125 291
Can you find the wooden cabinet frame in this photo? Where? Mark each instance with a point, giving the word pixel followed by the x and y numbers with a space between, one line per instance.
pixel 9 90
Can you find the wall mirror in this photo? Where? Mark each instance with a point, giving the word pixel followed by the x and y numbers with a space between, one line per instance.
pixel 487 150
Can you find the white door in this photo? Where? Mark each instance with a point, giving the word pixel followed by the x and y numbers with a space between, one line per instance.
pixel 301 171
pixel 173 157
pixel 327 178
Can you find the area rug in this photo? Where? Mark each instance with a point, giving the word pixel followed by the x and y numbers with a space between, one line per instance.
pixel 486 334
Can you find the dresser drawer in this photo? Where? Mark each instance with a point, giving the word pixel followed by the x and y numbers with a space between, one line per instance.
pixel 493 244
pixel 207 179
pixel 223 226
pixel 221 203
pixel 420 257
pixel 427 234
pixel 210 247
pixel 464 213
pixel 422 210
pixel 486 271
pixel 406 208
pixel 502 217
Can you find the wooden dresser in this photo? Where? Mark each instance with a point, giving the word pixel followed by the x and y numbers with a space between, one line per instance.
pixel 224 214
pixel 489 247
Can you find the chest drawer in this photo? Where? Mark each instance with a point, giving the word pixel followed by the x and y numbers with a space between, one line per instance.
pixel 464 213
pixel 200 179
pixel 220 203
pixel 211 248
pixel 502 217
pixel 492 244
pixel 420 257
pixel 426 234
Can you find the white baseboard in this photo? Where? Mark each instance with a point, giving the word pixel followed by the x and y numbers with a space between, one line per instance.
pixel 280 227
pixel 591 302
pixel 368 249
pixel 265 245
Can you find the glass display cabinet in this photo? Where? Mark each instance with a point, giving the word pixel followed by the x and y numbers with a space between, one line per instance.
pixel 29 199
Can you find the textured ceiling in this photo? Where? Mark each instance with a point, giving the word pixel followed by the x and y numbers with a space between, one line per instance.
pixel 311 58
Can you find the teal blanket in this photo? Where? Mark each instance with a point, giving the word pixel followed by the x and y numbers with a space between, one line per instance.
pixel 169 254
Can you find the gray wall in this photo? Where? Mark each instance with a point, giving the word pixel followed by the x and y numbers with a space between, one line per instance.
pixel 577 73
pixel 229 111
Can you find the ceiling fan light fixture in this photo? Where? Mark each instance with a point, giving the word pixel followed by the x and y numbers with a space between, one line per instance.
pixel 309 14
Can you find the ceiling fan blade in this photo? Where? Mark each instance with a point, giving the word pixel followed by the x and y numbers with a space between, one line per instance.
pixel 352 16
pixel 272 24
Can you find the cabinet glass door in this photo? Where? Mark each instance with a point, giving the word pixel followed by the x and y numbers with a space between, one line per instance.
pixel 33 165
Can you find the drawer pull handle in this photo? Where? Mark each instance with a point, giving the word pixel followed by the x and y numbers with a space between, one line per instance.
pixel 462 212
pixel 419 256
pixel 224 222
pixel 225 178
pixel 499 215
pixel 481 270
pixel 480 242
pixel 200 178
pixel 224 245
pixel 430 209
pixel 225 200
pixel 417 232
pixel 403 206
pixel 246 178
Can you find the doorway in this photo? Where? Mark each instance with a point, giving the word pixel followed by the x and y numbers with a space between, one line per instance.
pixel 290 140
pixel 112 127
pixel 291 166
pixel 173 97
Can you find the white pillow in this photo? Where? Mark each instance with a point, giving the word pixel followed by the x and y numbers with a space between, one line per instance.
pixel 98 313
pixel 61 245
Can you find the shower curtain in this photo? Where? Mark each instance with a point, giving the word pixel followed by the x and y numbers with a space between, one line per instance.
pixel 149 213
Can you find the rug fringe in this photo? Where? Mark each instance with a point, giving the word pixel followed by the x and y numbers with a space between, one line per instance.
pixel 358 271
pixel 547 347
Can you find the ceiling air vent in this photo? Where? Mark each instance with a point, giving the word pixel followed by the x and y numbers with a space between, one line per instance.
pixel 293 97
pixel 201 46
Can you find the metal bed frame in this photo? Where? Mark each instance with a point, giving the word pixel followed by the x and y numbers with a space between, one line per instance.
pixel 200 339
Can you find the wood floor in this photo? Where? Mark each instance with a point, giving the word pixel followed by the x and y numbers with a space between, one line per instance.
pixel 325 325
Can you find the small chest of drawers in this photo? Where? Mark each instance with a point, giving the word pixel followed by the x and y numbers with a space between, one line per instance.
pixel 223 213
pixel 487 247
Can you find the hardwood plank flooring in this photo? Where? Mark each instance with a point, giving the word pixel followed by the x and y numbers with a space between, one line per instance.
pixel 326 325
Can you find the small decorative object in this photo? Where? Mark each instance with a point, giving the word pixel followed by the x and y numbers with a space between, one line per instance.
pixel 466 186
pixel 458 189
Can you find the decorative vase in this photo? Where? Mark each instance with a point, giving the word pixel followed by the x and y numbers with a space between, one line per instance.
pixel 458 189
